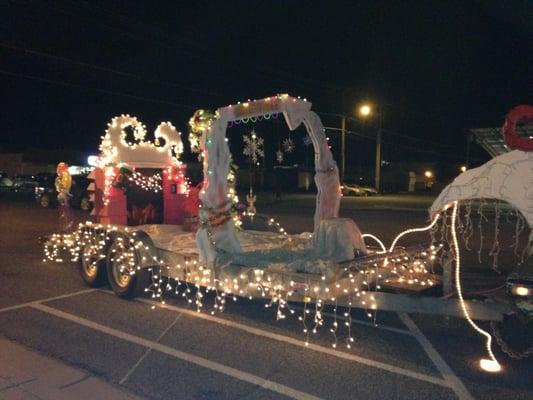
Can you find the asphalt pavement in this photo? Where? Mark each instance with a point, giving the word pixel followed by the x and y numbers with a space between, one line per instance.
pixel 174 352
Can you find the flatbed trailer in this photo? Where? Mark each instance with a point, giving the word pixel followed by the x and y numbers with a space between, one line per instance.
pixel 332 266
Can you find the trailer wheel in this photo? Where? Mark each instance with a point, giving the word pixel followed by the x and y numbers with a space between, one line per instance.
pixel 123 277
pixel 92 266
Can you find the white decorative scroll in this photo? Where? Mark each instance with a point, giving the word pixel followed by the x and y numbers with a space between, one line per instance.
pixel 141 153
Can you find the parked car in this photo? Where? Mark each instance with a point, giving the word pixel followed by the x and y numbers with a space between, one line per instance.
pixel 24 184
pixel 353 189
pixel 6 184
pixel 46 194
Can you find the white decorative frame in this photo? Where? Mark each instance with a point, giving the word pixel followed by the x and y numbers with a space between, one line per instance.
pixel 216 155
pixel 115 149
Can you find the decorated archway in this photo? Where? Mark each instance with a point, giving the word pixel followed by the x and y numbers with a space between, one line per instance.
pixel 217 232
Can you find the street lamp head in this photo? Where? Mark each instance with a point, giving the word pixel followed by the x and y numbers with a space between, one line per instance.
pixel 365 110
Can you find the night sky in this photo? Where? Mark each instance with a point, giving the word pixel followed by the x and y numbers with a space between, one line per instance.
pixel 442 67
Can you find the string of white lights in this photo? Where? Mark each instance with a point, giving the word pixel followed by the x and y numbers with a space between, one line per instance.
pixel 492 364
pixel 377 240
pixel 407 231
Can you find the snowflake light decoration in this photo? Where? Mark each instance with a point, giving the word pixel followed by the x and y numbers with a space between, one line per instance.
pixel 253 146
pixel 307 140
pixel 288 145
pixel 279 156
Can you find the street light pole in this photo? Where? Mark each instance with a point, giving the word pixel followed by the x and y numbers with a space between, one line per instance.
pixel 343 147
pixel 377 178
pixel 365 111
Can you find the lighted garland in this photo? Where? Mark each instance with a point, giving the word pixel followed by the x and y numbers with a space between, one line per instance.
pixel 199 124
pixel 126 177
pixel 148 183
pixel 122 178
pixel 253 119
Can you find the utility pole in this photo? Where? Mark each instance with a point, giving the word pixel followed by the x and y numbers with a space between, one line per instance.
pixel 469 139
pixel 343 147
pixel 378 151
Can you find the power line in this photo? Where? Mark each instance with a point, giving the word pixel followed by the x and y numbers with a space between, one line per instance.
pixel 188 106
pixel 77 86
pixel 329 128
pixel 416 139
pixel 104 69
pixel 390 132
pixel 260 69
pixel 197 46
pixel 419 150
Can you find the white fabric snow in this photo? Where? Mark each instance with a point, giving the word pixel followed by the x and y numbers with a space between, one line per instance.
pixel 338 239
pixel 173 238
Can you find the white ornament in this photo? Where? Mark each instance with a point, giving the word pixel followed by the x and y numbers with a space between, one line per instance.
pixel 288 145
pixel 279 156
pixel 251 199
pixel 253 147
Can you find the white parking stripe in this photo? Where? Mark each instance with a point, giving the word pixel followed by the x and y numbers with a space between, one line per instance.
pixel 300 343
pixel 31 303
pixel 453 381
pixel 202 362
pixel 148 351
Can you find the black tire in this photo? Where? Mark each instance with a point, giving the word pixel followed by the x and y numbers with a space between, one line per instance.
pixel 124 284
pixel 44 201
pixel 92 267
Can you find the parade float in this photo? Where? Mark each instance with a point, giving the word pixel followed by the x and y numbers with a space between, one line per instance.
pixel 335 266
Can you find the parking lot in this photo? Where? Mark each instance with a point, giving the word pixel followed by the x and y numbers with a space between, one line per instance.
pixel 172 351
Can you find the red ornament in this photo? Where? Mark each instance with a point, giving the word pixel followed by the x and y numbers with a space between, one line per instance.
pixel 520 114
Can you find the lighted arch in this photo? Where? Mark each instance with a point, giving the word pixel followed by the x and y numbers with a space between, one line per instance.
pixel 216 155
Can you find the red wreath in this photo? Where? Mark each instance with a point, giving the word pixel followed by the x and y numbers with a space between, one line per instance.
pixel 520 114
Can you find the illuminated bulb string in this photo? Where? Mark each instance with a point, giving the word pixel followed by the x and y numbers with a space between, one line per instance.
pixel 376 239
pixel 491 365
pixel 426 228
